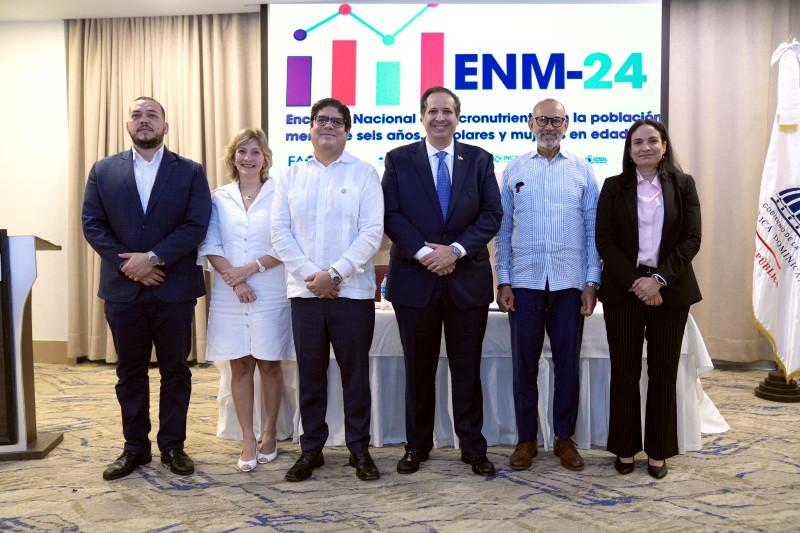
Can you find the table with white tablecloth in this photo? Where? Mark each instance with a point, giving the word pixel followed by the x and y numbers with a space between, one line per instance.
pixel 696 412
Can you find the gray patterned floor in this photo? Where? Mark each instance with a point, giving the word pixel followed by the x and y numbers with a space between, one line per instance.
pixel 747 479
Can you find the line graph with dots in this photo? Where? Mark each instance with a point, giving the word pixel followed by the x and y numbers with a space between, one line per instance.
pixel 344 68
pixel 347 10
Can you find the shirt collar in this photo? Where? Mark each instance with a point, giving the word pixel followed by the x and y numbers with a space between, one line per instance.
pixel 656 181
pixel 432 151
pixel 138 159
pixel 561 153
pixel 344 157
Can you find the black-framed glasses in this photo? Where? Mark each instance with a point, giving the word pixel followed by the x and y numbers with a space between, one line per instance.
pixel 555 121
pixel 336 122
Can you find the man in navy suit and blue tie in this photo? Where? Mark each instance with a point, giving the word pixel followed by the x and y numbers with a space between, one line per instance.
pixel 442 208
pixel 145 211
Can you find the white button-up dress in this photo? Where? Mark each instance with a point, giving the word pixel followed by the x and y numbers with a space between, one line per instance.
pixel 261 328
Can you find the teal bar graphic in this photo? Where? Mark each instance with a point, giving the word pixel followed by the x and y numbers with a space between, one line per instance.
pixel 387 83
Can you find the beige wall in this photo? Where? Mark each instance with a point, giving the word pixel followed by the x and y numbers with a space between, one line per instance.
pixel 33 157
pixel 721 141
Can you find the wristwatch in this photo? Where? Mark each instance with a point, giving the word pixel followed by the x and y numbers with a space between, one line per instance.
pixel 154 259
pixel 459 255
pixel 335 277
pixel 261 268
pixel 593 284
pixel 661 281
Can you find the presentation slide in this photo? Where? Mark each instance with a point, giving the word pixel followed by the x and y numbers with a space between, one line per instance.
pixel 601 60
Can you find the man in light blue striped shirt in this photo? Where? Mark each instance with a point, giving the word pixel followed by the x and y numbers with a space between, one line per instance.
pixel 548 272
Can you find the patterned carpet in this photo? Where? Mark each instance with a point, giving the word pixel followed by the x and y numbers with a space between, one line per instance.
pixel 747 479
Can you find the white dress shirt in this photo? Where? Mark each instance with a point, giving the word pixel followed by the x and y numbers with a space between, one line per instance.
pixel 547 233
pixel 325 217
pixel 433 159
pixel 145 173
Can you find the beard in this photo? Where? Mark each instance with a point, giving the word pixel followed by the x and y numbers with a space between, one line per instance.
pixel 147 144
pixel 548 144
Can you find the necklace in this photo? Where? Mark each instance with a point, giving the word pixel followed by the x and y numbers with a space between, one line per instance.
pixel 251 195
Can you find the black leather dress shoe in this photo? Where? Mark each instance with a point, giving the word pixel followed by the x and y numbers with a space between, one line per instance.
pixel 365 466
pixel 623 468
pixel 410 461
pixel 125 464
pixel 306 464
pixel 481 465
pixel 657 472
pixel 177 461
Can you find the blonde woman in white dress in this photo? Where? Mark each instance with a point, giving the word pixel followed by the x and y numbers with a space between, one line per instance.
pixel 249 321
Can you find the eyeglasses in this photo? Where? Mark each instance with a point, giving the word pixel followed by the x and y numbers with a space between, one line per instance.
pixel 555 121
pixel 336 122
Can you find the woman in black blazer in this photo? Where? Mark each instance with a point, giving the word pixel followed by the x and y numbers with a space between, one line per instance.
pixel 648 231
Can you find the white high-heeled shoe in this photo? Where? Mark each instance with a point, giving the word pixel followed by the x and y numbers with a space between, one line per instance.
pixel 264 459
pixel 247 466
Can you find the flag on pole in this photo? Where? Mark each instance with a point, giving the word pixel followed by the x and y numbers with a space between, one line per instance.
pixel 776 268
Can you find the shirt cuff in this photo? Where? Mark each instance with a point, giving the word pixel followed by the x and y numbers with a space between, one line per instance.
pixel 306 269
pixel 344 268
pixel 593 274
pixel 660 279
pixel 425 250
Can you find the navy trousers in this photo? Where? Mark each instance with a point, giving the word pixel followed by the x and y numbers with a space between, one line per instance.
pixel 136 327
pixel 347 325
pixel 557 313
pixel 421 336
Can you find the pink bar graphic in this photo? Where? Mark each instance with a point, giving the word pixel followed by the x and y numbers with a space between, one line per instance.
pixel 432 61
pixel 298 81
pixel 343 75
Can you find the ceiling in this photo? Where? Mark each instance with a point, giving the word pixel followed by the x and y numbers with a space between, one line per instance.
pixel 41 10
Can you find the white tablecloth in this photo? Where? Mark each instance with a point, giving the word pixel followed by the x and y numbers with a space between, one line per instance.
pixel 696 412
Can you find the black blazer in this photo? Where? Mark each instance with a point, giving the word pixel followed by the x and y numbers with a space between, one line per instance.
pixel 413 216
pixel 617 239
pixel 173 227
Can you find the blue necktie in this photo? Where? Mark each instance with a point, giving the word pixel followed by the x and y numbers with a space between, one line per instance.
pixel 443 183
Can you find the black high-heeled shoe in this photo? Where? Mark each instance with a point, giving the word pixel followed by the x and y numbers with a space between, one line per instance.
pixel 623 468
pixel 657 472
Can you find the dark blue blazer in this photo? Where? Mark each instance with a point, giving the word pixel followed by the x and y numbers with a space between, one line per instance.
pixel 413 216
pixel 173 227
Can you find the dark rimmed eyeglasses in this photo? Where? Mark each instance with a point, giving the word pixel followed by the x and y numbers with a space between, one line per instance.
pixel 336 122
pixel 555 121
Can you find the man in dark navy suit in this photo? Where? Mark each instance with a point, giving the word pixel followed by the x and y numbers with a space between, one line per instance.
pixel 145 211
pixel 442 208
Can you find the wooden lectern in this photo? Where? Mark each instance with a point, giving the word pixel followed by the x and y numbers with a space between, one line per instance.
pixel 18 438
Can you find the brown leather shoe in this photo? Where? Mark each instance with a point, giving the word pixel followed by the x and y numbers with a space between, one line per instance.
pixel 523 455
pixel 566 451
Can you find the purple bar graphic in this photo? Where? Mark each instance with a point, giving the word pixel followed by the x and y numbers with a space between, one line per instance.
pixel 298 81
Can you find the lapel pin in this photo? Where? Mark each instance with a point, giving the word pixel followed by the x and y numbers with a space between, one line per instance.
pixel 460 158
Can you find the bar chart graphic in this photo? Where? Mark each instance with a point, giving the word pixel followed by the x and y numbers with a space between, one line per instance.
pixel 344 71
